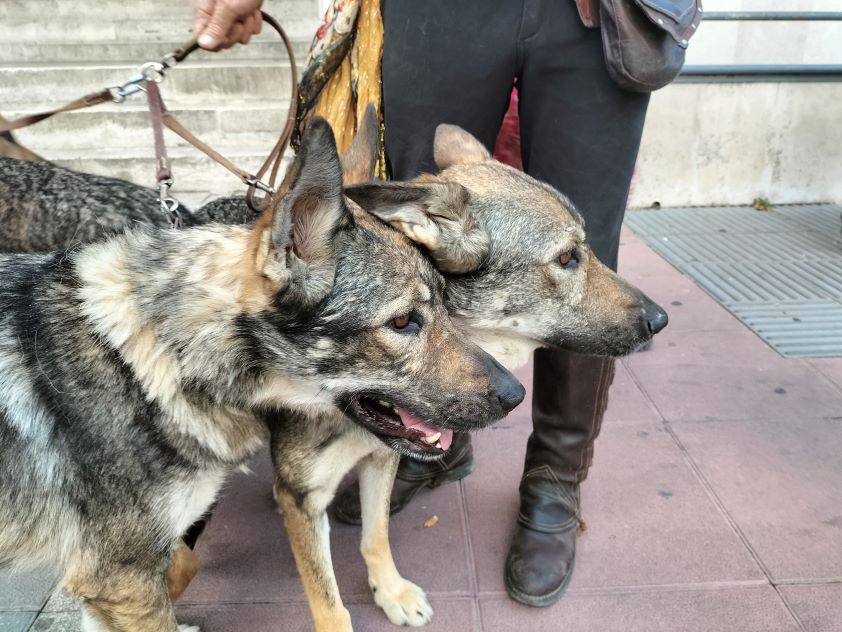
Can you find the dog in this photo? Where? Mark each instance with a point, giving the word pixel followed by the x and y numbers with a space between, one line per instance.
pixel 137 372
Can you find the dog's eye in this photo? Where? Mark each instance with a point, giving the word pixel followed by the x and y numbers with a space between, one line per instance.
pixel 568 260
pixel 406 324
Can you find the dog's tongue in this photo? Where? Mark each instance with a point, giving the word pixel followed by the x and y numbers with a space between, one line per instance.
pixel 411 421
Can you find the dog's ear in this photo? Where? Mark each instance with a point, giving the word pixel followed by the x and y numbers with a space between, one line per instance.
pixel 309 215
pixel 434 214
pixel 455 146
pixel 359 161
pixel 293 244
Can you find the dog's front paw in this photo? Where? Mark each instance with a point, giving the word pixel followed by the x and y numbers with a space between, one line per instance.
pixel 183 627
pixel 404 603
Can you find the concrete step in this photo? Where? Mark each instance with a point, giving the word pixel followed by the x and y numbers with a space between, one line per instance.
pixel 14 54
pixel 75 30
pixel 52 10
pixel 115 126
pixel 192 171
pixel 213 82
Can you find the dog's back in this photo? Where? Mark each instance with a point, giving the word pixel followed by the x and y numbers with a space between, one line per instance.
pixel 44 207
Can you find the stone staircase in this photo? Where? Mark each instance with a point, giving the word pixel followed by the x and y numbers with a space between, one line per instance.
pixel 54 51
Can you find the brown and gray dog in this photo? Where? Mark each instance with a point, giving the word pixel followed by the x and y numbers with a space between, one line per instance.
pixel 519 275
pixel 136 372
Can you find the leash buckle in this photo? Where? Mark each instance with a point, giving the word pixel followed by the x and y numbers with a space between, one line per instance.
pixel 169 205
pixel 260 185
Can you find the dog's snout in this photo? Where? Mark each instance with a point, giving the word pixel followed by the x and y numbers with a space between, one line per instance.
pixel 509 391
pixel 656 318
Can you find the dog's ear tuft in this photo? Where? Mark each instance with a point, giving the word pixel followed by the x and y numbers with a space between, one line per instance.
pixel 455 146
pixel 359 161
pixel 313 209
pixel 434 214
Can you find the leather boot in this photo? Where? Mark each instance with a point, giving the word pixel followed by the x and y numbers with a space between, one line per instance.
pixel 569 401
pixel 412 477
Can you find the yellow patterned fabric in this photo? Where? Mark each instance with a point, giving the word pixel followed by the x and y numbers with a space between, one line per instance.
pixel 343 71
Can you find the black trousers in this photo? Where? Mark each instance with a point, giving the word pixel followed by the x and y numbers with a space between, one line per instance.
pixel 455 61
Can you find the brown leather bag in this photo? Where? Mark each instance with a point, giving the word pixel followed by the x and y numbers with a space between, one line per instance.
pixel 644 40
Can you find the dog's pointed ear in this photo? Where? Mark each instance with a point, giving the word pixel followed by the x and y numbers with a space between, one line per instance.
pixel 434 214
pixel 359 161
pixel 308 216
pixel 455 146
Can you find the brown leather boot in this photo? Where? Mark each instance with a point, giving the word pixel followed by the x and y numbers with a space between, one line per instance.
pixel 412 477
pixel 569 401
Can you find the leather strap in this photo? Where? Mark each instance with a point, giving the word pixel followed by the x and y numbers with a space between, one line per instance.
pixel 161 116
pixel 156 114
pixel 95 98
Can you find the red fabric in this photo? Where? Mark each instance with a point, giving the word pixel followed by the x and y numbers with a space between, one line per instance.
pixel 507 147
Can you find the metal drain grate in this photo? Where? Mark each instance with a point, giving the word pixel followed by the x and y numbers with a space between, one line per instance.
pixel 780 272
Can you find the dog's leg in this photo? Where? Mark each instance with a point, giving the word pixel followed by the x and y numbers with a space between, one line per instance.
pixel 308 532
pixel 125 600
pixel 184 565
pixel 402 601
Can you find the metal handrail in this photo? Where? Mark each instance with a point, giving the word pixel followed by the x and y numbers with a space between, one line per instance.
pixel 795 16
pixel 752 73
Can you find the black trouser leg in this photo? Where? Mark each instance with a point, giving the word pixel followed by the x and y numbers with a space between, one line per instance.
pixel 580 133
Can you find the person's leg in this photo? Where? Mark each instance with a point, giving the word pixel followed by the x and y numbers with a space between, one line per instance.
pixel 580 133
pixel 444 61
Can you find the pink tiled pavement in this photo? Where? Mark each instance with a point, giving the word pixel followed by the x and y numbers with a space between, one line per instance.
pixel 714 504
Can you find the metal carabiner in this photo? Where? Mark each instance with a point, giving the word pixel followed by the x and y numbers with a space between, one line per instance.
pixel 169 205
pixel 153 71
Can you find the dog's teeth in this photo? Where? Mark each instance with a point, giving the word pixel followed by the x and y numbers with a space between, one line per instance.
pixel 433 438
pixel 438 445
pixel 384 404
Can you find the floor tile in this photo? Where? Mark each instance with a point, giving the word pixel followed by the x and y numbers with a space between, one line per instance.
pixel 831 368
pixel 16 621
pixel 450 615
pixel 743 610
pixel 58 622
pixel 779 480
pixel 689 392
pixel 637 260
pixel 626 402
pixel 688 306
pixel 819 607
pixel 649 520
pixel 728 347
pixel 25 590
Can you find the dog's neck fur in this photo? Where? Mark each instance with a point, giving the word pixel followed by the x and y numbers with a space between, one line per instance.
pixel 165 300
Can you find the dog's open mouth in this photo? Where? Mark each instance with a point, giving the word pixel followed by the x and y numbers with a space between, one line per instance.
pixel 388 421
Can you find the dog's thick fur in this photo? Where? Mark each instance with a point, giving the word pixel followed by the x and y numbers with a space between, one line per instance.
pixel 136 373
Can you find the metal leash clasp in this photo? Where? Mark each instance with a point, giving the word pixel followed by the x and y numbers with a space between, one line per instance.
pixel 169 205
pixel 150 71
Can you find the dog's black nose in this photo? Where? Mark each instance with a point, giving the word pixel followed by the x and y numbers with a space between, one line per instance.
pixel 656 318
pixel 510 392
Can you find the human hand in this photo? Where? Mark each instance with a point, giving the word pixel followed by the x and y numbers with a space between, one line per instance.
pixel 219 24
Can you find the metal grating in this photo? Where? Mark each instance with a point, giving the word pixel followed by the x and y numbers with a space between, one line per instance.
pixel 780 272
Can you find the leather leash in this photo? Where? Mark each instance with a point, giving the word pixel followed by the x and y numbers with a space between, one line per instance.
pixel 151 74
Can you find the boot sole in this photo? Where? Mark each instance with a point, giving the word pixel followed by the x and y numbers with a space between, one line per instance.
pixel 450 476
pixel 540 601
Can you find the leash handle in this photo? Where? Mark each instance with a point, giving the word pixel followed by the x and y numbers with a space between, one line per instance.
pixel 151 74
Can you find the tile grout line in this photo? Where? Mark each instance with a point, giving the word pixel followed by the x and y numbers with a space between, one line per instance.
pixel 706 485
pixel 469 548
